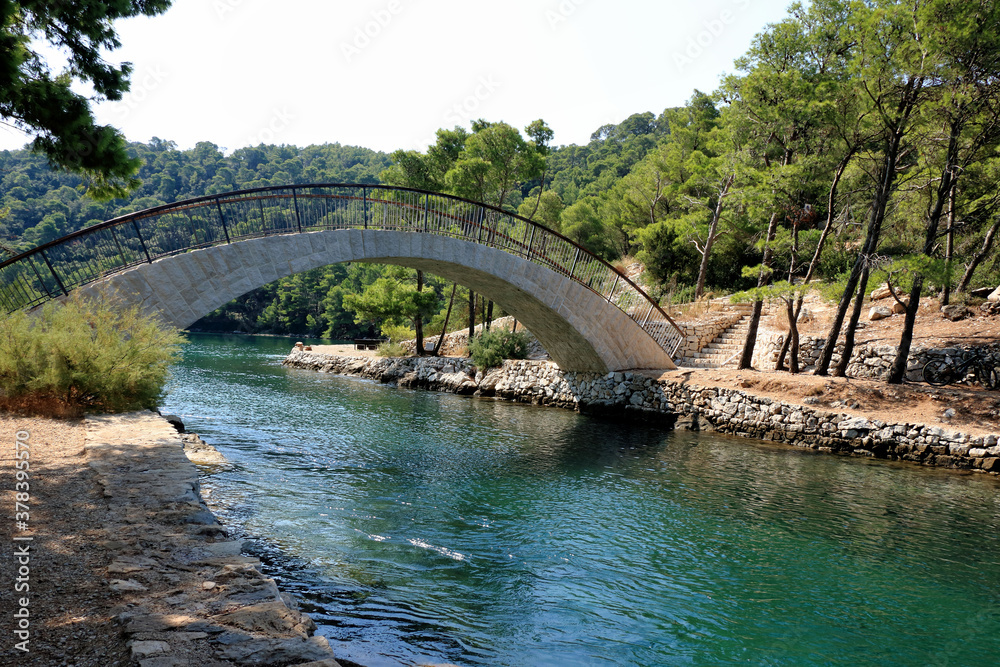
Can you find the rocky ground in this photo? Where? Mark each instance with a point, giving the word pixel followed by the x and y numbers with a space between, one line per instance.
pixel 977 411
pixel 127 566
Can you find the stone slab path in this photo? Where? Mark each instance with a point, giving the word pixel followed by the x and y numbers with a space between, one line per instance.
pixel 188 598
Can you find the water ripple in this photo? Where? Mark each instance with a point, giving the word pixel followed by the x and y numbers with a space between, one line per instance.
pixel 422 527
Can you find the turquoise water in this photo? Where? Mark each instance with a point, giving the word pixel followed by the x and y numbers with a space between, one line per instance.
pixel 425 527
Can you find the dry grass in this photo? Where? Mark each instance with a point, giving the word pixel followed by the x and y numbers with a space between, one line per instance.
pixel 622 263
pixel 702 308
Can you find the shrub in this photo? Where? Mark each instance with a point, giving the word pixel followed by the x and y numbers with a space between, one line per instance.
pixel 397 333
pixel 391 349
pixel 490 348
pixel 85 355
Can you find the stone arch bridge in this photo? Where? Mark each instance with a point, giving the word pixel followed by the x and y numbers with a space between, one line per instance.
pixel 186 259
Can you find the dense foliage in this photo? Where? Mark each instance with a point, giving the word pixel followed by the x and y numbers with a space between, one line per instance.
pixel 44 104
pixel 85 355
pixel 491 347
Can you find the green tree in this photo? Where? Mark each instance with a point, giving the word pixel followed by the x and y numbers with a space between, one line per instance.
pixel 962 42
pixel 888 73
pixel 392 300
pixel 37 100
pixel 495 162
pixel 544 208
pixel 581 223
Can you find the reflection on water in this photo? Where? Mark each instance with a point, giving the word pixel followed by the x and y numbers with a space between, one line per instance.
pixel 426 527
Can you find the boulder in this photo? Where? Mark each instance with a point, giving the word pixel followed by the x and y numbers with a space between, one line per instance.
pixel 268 618
pixel 900 308
pixel 879 313
pixel 954 312
pixel 994 295
pixel 174 421
pixel 982 292
pixel 127 586
pixel 880 293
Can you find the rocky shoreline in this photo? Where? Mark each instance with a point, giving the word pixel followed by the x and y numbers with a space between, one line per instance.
pixel 187 595
pixel 677 404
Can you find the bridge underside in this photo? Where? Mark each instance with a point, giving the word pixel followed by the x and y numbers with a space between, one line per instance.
pixel 580 329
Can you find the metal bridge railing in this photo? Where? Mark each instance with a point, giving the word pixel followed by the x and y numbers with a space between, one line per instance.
pixel 54 268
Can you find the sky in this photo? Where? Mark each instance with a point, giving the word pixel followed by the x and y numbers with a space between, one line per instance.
pixel 386 74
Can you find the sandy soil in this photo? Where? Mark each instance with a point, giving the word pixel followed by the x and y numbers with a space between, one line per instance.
pixel 345 350
pixel 931 329
pixel 977 410
pixel 69 606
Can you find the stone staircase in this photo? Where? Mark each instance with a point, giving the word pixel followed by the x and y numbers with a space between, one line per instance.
pixel 724 350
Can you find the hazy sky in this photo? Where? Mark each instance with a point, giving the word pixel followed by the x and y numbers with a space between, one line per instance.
pixel 386 74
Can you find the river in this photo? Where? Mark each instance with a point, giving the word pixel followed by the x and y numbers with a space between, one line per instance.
pixel 421 527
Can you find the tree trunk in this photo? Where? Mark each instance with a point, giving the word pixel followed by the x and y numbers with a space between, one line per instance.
pixel 831 202
pixel 712 234
pixel 977 259
pixel 852 325
pixel 538 200
pixel 418 321
pixel 444 328
pixel 883 190
pixel 472 315
pixel 949 179
pixel 823 364
pixel 950 249
pixel 779 365
pixel 898 371
pixel 793 336
pixel 489 316
pixel 746 359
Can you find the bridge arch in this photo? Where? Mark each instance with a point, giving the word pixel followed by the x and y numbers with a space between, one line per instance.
pixel 184 260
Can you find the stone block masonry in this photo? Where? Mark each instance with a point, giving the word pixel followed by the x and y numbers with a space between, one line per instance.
pixel 559 311
pixel 870 362
pixel 697 335
pixel 676 404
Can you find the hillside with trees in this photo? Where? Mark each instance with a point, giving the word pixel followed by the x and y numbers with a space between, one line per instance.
pixel 855 143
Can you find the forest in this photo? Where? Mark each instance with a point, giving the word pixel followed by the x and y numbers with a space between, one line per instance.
pixel 854 143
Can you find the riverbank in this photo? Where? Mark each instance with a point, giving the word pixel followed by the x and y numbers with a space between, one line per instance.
pixel 710 400
pixel 127 564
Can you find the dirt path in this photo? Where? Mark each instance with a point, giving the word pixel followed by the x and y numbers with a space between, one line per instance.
pixel 70 611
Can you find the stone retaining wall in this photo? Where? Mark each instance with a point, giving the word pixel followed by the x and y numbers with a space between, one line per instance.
pixel 188 596
pixel 699 334
pixel 872 362
pixel 677 404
